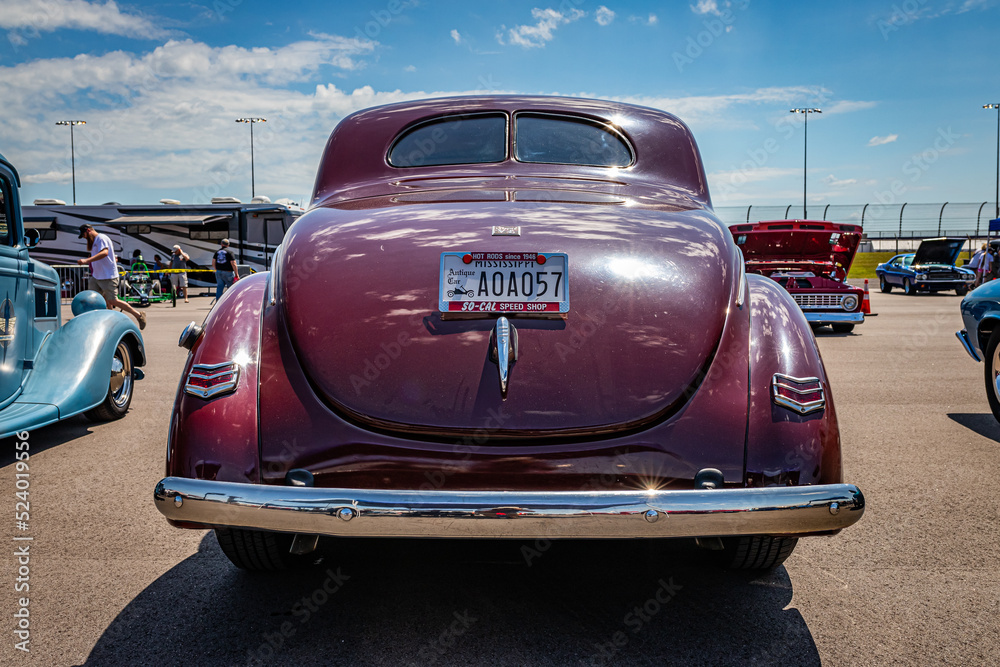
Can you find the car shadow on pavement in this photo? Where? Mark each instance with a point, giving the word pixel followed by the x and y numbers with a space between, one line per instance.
pixel 47 437
pixel 982 423
pixel 436 602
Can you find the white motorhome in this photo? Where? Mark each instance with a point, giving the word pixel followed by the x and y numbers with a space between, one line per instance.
pixel 254 231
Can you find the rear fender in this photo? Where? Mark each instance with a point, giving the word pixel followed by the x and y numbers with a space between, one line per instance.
pixel 784 447
pixel 73 365
pixel 216 438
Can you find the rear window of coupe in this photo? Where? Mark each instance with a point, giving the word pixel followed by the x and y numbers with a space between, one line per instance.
pixel 553 139
pixel 471 139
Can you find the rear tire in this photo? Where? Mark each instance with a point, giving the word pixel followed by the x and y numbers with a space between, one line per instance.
pixel 259 550
pixel 756 552
pixel 992 373
pixel 844 327
pixel 908 287
pixel 884 285
pixel 119 395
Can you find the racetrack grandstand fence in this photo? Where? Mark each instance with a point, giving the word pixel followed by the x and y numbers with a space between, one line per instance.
pixel 889 227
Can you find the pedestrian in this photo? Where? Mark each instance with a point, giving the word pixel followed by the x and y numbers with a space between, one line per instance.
pixel 161 277
pixel 104 271
pixel 224 263
pixel 985 269
pixel 179 260
pixel 975 263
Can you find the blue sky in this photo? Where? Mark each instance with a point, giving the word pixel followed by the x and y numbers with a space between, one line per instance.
pixel 901 85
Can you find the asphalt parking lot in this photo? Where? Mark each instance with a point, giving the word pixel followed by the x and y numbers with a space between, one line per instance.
pixel 915 582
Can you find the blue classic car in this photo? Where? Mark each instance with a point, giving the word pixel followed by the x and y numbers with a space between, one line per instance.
pixel 930 269
pixel 981 336
pixel 50 370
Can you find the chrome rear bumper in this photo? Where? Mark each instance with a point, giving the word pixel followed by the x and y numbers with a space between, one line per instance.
pixel 963 336
pixel 819 317
pixel 787 510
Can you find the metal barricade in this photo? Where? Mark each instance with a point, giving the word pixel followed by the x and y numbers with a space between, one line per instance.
pixel 73 279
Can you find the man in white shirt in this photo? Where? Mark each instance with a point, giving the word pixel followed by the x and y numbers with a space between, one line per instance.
pixel 985 267
pixel 104 271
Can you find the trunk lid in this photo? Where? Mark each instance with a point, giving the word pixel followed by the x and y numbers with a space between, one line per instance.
pixel 650 289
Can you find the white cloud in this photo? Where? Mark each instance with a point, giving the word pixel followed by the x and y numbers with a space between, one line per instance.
pixel 536 36
pixel 410 68
pixel 834 182
pixel 165 118
pixel 848 106
pixel 604 16
pixel 706 7
pixel 880 141
pixel 456 36
pixel 37 16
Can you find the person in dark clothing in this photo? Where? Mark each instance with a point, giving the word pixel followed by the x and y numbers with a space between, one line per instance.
pixel 224 263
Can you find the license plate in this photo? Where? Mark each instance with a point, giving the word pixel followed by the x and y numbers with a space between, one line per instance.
pixel 504 282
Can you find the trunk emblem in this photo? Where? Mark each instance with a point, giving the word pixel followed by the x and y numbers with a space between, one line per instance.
pixel 503 350
pixel 501 230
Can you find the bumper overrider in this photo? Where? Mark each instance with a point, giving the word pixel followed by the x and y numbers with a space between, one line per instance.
pixel 963 337
pixel 819 317
pixel 785 510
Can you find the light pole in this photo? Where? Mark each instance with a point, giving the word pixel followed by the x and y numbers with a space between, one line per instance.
pixel 997 107
pixel 253 192
pixel 72 149
pixel 805 153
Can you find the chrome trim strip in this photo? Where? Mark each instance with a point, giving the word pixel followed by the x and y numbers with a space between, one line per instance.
pixel 963 336
pixel 210 372
pixel 272 280
pixel 802 408
pixel 833 318
pixel 780 510
pixel 741 294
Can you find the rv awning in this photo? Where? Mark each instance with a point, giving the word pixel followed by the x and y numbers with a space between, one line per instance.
pixel 167 219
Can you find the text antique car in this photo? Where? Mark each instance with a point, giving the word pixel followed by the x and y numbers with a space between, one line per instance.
pixel 506 317
pixel 930 269
pixel 981 336
pixel 53 370
pixel 810 259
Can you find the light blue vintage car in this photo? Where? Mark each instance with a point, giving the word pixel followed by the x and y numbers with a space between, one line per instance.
pixel 51 370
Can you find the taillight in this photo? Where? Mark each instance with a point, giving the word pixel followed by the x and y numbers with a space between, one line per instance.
pixel 801 395
pixel 208 380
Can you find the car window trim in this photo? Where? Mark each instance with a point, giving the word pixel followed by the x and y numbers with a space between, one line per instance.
pixel 412 127
pixel 605 125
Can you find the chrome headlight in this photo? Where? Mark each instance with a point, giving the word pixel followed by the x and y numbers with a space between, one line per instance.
pixel 921 276
pixel 849 302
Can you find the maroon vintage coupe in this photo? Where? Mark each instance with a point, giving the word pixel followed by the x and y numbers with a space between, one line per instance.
pixel 506 317
pixel 810 259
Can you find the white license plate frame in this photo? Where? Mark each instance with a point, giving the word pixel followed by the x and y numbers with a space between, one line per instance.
pixel 481 282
